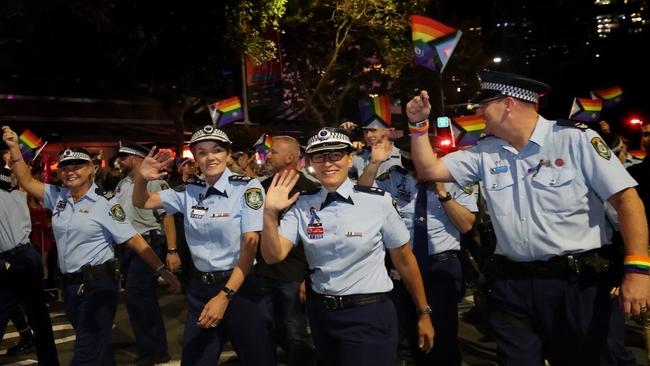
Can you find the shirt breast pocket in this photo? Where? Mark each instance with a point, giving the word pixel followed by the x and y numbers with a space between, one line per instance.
pixel 555 191
pixel 498 190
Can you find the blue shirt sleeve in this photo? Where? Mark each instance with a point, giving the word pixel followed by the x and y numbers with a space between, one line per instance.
pixel 117 225
pixel 289 225
pixel 50 196
pixel 394 232
pixel 606 176
pixel 173 201
pixel 157 186
pixel 464 166
pixel 465 199
pixel 252 211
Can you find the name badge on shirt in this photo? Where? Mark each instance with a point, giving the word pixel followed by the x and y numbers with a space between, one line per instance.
pixel 501 167
pixel 198 212
pixel 83 210
pixel 315 231
pixel 60 206
pixel 354 233
pixel 221 214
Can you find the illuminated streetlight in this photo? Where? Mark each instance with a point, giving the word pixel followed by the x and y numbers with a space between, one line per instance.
pixel 496 60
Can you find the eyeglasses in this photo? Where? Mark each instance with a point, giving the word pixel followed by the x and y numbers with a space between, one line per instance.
pixel 485 102
pixel 332 156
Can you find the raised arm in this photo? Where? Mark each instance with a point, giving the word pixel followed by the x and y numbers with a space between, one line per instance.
pixel 20 169
pixel 274 246
pixel 151 168
pixel 427 165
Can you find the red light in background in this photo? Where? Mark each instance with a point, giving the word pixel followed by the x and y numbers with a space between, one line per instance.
pixel 634 121
pixel 445 142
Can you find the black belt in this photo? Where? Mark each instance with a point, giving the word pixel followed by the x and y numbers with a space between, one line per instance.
pixel 211 278
pixel 333 303
pixel 443 256
pixel 11 252
pixel 99 271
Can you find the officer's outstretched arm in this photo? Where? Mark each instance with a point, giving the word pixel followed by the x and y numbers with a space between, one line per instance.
pixel 144 251
pixel 407 267
pixel 151 168
pixel 427 165
pixel 20 169
pixel 274 246
pixel 635 289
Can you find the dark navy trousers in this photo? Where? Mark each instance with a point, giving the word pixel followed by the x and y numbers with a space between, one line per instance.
pixel 356 336
pixel 22 283
pixel 142 305
pixel 91 315
pixel 443 285
pixel 242 324
pixel 568 321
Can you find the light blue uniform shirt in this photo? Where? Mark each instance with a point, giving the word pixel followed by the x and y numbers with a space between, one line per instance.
pixel 16 223
pixel 544 210
pixel 347 257
pixel 362 159
pixel 85 231
pixel 214 225
pixel 143 220
pixel 442 234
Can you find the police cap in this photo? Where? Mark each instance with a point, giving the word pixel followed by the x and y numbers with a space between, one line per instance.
pixel 328 139
pixel 131 148
pixel 495 84
pixel 210 133
pixel 73 156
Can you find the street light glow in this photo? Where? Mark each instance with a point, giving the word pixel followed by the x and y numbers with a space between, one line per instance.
pixel 496 60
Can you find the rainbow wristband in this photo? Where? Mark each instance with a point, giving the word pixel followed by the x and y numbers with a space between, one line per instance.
pixel 637 264
pixel 419 128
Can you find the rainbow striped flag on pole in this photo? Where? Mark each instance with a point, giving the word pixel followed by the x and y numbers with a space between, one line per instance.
pixel 226 111
pixel 610 96
pixel 586 110
pixel 434 42
pixel 375 111
pixel 28 141
pixel 467 129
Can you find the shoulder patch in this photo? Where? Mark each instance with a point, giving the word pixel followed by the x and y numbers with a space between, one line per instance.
pixel 309 192
pixel 371 190
pixel 253 198
pixel 180 188
pixel 601 148
pixel 468 189
pixel 239 178
pixel 117 212
pixel 396 207
pixel 107 195
pixel 574 124
pixel 163 186
pixel 196 182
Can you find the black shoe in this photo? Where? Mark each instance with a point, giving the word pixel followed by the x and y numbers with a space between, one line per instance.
pixel 162 357
pixel 23 346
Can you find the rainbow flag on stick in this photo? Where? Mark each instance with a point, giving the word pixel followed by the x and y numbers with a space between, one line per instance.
pixel 226 111
pixel 263 143
pixel 467 129
pixel 586 110
pixel 610 96
pixel 28 141
pixel 375 111
pixel 434 42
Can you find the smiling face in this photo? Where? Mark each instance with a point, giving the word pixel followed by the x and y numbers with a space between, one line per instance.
pixel 76 176
pixel 373 135
pixel 331 174
pixel 211 159
pixel 494 112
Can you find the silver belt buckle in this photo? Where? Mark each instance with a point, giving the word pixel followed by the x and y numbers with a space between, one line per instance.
pixel 333 302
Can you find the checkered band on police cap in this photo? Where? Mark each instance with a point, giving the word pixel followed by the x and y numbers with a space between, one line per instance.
pixel 5 175
pixel 328 139
pixel 132 148
pixel 209 133
pixel 512 91
pixel 69 156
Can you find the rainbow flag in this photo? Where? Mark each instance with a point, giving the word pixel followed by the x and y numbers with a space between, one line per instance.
pixel 610 96
pixel 263 143
pixel 586 110
pixel 228 111
pixel 375 111
pixel 467 129
pixel 433 42
pixel 30 140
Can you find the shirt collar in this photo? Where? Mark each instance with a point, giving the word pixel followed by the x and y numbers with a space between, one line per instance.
pixel 345 190
pixel 541 130
pixel 91 194
pixel 221 184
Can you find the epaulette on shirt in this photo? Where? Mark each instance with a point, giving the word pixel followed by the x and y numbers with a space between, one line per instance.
pixel 196 182
pixel 239 178
pixel 574 124
pixel 309 192
pixel 371 190
pixel 107 195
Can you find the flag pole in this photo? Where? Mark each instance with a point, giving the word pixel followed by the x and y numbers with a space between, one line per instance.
pixel 244 90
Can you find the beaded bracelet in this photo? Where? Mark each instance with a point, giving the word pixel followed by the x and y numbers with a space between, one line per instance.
pixel 637 264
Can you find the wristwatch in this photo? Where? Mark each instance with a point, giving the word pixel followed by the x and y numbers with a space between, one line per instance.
pixel 230 293
pixel 425 311
pixel 445 198
pixel 172 250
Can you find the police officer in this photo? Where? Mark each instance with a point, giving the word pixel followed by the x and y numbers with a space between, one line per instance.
pixel 85 225
pixel 21 270
pixel 345 230
pixel 544 182
pixel 436 214
pixel 223 214
pixel 378 155
pixel 141 300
